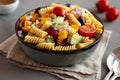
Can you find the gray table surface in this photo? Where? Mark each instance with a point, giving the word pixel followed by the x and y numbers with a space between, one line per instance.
pixel 9 71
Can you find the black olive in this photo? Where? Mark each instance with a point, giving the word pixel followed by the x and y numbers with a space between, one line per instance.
pixel 24 32
pixel 81 20
pixel 66 42
pixel 68 4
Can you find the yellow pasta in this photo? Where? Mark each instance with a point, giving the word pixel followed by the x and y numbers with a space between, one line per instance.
pixel 87 19
pixel 46 25
pixel 86 43
pixel 81 45
pixel 59 5
pixel 43 21
pixel 73 20
pixel 85 39
pixel 38 32
pixel 46 15
pixel 93 24
pixel 33 39
pixel 65 48
pixel 46 12
pixel 71 32
pixel 44 45
pixel 95 21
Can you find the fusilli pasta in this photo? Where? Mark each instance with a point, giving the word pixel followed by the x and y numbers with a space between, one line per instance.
pixel 65 48
pixel 46 25
pixel 95 21
pixel 33 39
pixel 73 20
pixel 48 46
pixel 46 12
pixel 59 5
pixel 38 32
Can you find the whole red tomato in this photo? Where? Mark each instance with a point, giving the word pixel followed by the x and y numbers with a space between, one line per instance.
pixel 112 14
pixel 102 5
pixel 59 11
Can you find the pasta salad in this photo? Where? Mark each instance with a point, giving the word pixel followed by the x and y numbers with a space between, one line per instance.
pixel 60 27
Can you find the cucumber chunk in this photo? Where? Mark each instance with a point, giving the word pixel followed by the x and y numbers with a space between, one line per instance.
pixel 75 39
pixel 57 22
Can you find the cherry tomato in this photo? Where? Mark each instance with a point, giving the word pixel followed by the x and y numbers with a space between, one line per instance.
pixel 112 14
pixel 87 30
pixel 102 5
pixel 52 32
pixel 59 11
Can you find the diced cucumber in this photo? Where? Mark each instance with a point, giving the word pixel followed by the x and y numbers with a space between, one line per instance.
pixel 57 26
pixel 75 39
pixel 58 20
pixel 50 39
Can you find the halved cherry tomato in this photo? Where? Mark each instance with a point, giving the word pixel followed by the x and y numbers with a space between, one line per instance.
pixel 52 32
pixel 59 11
pixel 87 30
pixel 102 5
pixel 112 14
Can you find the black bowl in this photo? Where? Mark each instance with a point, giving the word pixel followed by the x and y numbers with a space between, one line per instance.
pixel 56 58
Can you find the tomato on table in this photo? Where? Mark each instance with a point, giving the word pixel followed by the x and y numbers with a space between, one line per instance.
pixel 102 5
pixel 112 14
pixel 87 30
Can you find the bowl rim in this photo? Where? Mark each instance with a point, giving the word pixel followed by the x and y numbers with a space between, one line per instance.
pixel 52 51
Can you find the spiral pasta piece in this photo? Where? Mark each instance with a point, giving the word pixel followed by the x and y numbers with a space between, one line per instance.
pixel 87 19
pixel 65 48
pixel 33 39
pixel 73 20
pixel 47 46
pixel 85 39
pixel 46 12
pixel 88 42
pixel 59 5
pixel 94 20
pixel 38 32
pixel 46 25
